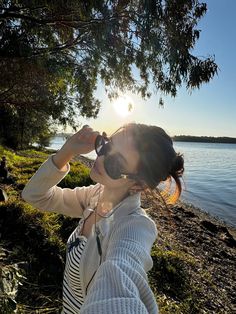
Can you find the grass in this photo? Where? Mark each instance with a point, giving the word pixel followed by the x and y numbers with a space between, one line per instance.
pixel 33 242
pixel 170 279
pixel 32 252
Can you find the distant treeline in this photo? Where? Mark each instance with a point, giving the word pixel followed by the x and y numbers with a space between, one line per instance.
pixel 186 138
pixel 204 139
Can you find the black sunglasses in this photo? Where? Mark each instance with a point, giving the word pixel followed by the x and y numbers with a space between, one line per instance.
pixel 112 163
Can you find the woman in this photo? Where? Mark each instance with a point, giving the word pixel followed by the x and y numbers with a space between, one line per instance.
pixel 108 254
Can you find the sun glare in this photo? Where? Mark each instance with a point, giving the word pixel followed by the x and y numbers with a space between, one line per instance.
pixel 123 105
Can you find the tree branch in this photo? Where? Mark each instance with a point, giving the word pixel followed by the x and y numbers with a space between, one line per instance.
pixel 67 22
pixel 6 91
pixel 68 44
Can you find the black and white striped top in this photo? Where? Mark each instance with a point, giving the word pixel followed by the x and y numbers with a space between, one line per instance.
pixel 72 292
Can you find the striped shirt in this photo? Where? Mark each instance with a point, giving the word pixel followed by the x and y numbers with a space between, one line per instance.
pixel 72 291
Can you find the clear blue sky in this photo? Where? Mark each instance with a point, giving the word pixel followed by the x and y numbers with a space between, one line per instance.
pixel 211 110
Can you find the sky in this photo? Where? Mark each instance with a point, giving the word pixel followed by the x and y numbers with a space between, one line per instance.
pixel 208 111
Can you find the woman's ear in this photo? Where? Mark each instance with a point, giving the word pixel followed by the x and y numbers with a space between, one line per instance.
pixel 137 187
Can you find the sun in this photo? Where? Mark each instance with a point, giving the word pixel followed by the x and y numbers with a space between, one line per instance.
pixel 123 106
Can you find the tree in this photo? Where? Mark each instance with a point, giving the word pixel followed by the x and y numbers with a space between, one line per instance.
pixel 21 126
pixel 52 53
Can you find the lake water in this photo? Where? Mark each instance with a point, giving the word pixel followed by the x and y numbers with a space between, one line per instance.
pixel 210 176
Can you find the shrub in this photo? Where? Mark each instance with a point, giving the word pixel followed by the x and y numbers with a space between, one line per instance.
pixel 78 176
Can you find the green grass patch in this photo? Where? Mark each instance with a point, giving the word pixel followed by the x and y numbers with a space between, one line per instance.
pixel 33 242
pixel 170 279
pixel 78 176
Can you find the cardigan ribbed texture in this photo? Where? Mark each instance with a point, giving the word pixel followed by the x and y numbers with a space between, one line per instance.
pixel 120 284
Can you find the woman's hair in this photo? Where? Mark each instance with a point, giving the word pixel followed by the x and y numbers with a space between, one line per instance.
pixel 158 159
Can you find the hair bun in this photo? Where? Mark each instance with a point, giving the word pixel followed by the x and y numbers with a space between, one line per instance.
pixel 177 168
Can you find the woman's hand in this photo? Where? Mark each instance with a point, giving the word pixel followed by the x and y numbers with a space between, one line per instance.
pixel 81 142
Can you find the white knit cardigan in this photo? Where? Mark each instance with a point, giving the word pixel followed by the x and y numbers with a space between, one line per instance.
pixel 120 285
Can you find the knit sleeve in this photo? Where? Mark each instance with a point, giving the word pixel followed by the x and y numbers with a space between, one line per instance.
pixel 120 285
pixel 42 191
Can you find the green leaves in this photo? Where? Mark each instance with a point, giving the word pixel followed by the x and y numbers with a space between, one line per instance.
pixel 52 53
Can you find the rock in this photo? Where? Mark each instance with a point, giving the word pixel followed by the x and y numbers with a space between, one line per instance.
pixel 224 254
pixel 209 226
pixel 189 214
pixel 183 212
pixel 223 229
pixel 177 218
pixel 230 241
pixel 227 237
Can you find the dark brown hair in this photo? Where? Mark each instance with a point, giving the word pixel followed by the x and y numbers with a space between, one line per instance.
pixel 158 160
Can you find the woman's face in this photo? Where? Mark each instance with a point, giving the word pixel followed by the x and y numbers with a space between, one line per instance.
pixel 127 156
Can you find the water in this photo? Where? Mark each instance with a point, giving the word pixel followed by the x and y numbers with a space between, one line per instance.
pixel 56 142
pixel 210 176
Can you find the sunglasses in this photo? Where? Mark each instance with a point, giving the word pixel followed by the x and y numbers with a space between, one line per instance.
pixel 112 163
